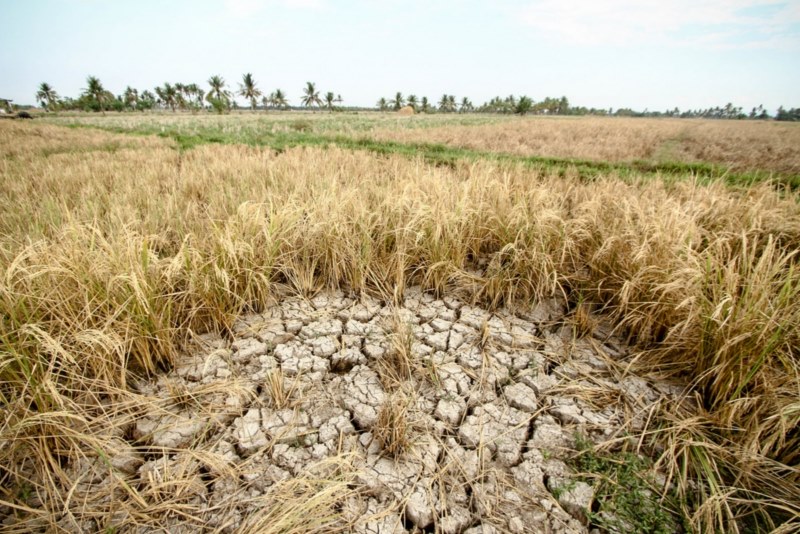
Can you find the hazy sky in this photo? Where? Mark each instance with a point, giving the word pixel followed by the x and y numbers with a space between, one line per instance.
pixel 603 53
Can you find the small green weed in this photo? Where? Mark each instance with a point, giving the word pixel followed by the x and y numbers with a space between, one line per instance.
pixel 626 493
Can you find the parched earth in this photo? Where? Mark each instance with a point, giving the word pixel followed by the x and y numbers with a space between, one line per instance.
pixel 449 418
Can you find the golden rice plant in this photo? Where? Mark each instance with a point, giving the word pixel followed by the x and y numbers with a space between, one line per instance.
pixel 111 255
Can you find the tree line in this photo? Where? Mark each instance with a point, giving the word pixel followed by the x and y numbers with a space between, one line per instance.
pixel 218 97
pixel 181 96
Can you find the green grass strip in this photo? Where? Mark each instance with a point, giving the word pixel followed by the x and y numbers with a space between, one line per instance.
pixel 439 154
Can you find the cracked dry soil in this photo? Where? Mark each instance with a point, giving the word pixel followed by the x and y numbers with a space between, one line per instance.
pixel 490 407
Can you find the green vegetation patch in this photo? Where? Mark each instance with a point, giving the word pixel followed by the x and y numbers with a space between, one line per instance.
pixel 627 495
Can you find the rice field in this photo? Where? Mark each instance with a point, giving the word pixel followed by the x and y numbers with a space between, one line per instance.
pixel 129 243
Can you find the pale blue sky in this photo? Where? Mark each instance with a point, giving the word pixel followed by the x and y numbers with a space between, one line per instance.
pixel 642 54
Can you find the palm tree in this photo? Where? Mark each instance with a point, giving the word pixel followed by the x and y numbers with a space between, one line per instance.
pixel 451 103
pixel 217 84
pixel 425 106
pixel 168 95
pixel 563 106
pixel 96 91
pixel 383 105
pixel 181 94
pixel 510 103
pixel 249 90
pixel 274 100
pixel 398 101
pixel 338 99
pixel 46 94
pixel 279 99
pixel 310 95
pixel 329 100
pixel 466 105
pixel 218 91
pixel 443 103
pixel 147 100
pixel 195 95
pixel 130 97
pixel 412 101
pixel 523 106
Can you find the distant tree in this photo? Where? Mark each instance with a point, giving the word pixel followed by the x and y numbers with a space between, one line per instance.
pixel 147 100
pixel 425 106
pixel 398 101
pixel 443 103
pixel 130 98
pixel 383 105
pixel 330 98
pixel 116 103
pixel 248 90
pixel 523 106
pixel 168 95
pixel 182 96
pixel 218 96
pixel 563 106
pixel 784 114
pixel 466 105
pixel 488 107
pixel 510 103
pixel 412 101
pixel 310 95
pixel 96 92
pixel 46 94
pixel 338 99
pixel 193 96
pixel 276 99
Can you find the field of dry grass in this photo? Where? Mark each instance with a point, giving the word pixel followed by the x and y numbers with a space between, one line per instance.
pixel 118 251
pixel 738 145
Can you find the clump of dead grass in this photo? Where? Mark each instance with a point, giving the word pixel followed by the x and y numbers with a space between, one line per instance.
pixel 392 429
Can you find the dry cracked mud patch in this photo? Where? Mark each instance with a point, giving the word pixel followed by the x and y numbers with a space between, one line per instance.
pixel 437 416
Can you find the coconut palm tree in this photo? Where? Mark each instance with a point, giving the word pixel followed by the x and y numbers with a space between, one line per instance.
pixel 217 84
pixel 310 95
pixel 383 105
pixel 168 95
pixel 46 94
pixel 249 90
pixel 218 92
pixel 181 96
pixel 330 98
pixel 510 102
pixel 194 95
pixel 523 105
pixel 425 106
pixel 147 100
pixel 96 91
pixel 466 105
pixel 279 100
pixel 398 101
pixel 130 97
pixel 443 103
pixel 563 105
pixel 412 101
